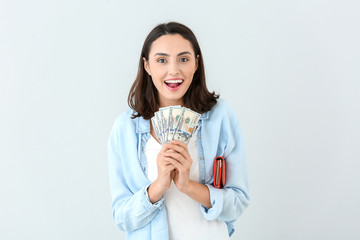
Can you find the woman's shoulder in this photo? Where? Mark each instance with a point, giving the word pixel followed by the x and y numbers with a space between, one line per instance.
pixel 223 117
pixel 223 109
pixel 124 119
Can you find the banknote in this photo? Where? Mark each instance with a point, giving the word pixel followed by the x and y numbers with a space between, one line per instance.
pixel 164 114
pixel 160 127
pixel 185 128
pixel 156 128
pixel 175 123
pixel 174 120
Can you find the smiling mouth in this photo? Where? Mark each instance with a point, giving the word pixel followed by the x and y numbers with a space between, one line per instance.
pixel 174 83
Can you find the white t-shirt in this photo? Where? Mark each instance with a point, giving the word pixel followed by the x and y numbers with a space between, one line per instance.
pixel 184 216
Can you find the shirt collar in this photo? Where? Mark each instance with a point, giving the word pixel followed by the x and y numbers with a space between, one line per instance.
pixel 142 125
pixel 204 116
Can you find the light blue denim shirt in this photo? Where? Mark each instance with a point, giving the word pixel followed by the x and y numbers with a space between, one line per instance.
pixel 219 134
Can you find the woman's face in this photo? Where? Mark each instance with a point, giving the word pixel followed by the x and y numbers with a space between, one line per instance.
pixel 171 64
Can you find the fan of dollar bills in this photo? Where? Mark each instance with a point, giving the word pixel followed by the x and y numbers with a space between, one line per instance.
pixel 175 123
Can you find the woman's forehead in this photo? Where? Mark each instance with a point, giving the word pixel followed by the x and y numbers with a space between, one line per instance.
pixel 171 44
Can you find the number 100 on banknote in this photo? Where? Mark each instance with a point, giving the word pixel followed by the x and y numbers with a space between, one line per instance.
pixel 175 123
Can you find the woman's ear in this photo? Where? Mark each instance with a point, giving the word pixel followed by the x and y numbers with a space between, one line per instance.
pixel 197 62
pixel 146 66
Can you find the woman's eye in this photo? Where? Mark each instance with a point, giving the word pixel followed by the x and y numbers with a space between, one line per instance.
pixel 184 59
pixel 161 60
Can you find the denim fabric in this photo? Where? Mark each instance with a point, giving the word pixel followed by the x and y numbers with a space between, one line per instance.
pixel 219 134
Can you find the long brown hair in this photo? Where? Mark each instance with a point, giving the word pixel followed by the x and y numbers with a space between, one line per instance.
pixel 143 95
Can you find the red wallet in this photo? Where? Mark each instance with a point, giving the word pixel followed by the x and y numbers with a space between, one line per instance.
pixel 219 172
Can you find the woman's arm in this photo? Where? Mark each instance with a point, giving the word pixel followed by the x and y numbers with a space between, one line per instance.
pixel 229 202
pixel 131 205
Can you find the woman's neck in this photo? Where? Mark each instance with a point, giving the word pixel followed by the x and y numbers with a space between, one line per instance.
pixel 171 103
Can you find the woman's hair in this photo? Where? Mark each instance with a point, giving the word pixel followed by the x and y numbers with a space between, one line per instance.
pixel 143 95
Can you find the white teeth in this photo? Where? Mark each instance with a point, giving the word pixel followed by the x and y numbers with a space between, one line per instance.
pixel 174 81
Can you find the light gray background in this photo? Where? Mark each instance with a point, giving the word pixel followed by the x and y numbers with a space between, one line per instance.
pixel 290 69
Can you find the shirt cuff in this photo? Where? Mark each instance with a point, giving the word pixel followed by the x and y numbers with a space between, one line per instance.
pixel 146 200
pixel 216 199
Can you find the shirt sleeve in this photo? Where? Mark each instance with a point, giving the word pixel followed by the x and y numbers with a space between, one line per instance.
pixel 131 209
pixel 229 202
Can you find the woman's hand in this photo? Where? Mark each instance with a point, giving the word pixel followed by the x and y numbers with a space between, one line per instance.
pixel 165 169
pixel 177 154
pixel 166 172
pixel 164 178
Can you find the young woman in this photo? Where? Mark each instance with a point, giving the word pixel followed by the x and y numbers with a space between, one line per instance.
pixel 166 192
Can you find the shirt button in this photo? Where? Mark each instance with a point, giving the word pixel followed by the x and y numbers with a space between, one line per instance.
pixel 203 181
pixel 201 158
pixel 199 137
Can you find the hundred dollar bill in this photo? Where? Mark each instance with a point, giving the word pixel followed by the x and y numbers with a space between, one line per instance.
pixel 186 126
pixel 156 128
pixel 160 127
pixel 174 119
pixel 164 118
pixel 193 125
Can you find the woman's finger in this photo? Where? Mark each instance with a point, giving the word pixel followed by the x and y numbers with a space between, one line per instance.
pixel 162 160
pixel 166 147
pixel 181 150
pixel 180 144
pixel 175 163
pixel 177 156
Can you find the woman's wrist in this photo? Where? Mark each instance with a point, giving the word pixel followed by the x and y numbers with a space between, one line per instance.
pixel 188 189
pixel 198 192
pixel 155 192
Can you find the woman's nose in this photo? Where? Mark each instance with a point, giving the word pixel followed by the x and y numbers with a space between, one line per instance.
pixel 174 68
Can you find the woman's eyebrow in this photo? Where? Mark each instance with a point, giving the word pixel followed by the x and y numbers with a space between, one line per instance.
pixel 183 53
pixel 166 55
